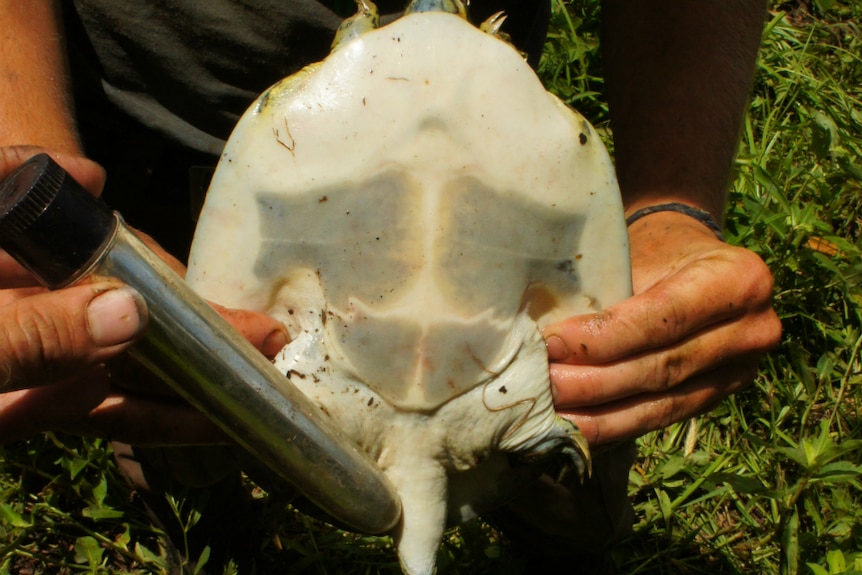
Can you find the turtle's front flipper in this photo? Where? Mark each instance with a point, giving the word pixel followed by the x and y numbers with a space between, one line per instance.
pixel 493 24
pixel 365 20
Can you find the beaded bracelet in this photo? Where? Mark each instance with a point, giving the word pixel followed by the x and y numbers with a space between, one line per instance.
pixel 702 216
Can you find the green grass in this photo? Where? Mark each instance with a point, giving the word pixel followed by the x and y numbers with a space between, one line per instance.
pixel 772 484
pixel 767 483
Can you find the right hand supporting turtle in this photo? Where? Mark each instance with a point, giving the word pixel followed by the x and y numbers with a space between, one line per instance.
pixel 678 82
pixel 693 333
pixel 54 345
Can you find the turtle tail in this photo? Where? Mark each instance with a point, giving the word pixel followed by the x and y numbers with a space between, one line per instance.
pixel 423 489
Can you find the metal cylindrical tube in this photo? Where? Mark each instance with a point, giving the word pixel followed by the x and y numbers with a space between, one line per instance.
pixel 191 347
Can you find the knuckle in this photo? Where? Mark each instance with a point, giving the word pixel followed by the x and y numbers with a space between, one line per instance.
pixel 34 341
pixel 756 277
pixel 16 347
pixel 668 371
pixel 665 321
pixel 44 329
pixel 659 380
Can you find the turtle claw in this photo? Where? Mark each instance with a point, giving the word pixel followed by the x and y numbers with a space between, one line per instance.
pixel 493 24
pixel 578 451
pixel 562 451
pixel 365 20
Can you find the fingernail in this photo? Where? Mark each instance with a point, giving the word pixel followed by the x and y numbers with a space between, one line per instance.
pixel 116 316
pixel 275 342
pixel 557 348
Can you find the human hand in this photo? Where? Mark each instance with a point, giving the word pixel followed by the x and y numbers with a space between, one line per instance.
pixel 53 347
pixel 692 334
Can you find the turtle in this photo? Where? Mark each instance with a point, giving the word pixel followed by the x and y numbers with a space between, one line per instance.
pixel 415 208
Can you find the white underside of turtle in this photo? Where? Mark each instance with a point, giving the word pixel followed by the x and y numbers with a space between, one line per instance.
pixel 415 208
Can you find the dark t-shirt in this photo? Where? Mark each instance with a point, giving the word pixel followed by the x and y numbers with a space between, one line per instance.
pixel 188 69
pixel 159 84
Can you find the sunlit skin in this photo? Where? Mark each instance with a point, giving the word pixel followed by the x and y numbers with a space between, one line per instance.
pixel 46 343
pixel 687 339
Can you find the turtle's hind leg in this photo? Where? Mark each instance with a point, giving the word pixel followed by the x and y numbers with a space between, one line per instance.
pixel 563 450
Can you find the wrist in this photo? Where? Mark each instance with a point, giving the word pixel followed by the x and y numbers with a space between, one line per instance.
pixel 697 214
pixel 658 235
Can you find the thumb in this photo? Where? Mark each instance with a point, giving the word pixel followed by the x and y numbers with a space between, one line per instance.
pixel 50 336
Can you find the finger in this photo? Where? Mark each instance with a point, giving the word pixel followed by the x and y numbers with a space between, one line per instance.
pixel 147 421
pixel 30 411
pixel 699 295
pixel 265 333
pixel 638 415
pixel 87 172
pixel 742 343
pixel 176 265
pixel 51 335
pixel 131 376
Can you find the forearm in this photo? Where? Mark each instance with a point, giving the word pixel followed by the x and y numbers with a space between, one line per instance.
pixel 35 100
pixel 678 76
